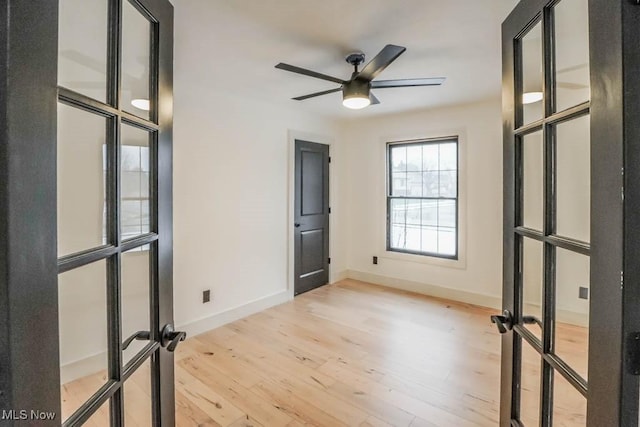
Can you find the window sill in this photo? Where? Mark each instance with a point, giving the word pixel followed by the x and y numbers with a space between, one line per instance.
pixel 459 263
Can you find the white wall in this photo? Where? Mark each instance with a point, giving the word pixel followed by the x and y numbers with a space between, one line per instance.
pixel 477 277
pixel 232 159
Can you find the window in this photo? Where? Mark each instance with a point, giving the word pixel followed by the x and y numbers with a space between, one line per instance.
pixel 422 197
pixel 134 214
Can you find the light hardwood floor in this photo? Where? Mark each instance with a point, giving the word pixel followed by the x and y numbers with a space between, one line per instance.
pixel 359 355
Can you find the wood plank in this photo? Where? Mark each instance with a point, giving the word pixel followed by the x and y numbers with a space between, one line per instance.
pixel 261 411
pixel 189 414
pixel 215 406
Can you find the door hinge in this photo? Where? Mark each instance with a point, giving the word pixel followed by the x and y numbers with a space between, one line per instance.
pixel 329 209
pixel 330 156
pixel 632 353
pixel 328 260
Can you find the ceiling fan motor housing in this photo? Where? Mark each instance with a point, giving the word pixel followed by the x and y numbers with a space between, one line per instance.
pixel 356 89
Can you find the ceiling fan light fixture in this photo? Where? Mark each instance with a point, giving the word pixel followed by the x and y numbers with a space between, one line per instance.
pixel 141 104
pixel 356 102
pixel 355 95
pixel 531 97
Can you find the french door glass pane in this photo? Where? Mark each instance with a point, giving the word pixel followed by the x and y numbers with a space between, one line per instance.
pixel 81 180
pixel 532 181
pixel 532 261
pixel 572 311
pixel 136 48
pixel 530 386
pixel 569 406
pixel 137 397
pixel 531 99
pixel 135 268
pixel 82 302
pixel 572 53
pixel 82 61
pixel 135 173
pixel 573 178
pixel 100 418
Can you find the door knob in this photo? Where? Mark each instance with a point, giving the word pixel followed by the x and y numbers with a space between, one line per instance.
pixel 171 338
pixel 504 322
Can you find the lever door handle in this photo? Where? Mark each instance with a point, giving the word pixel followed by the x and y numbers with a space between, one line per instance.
pixel 140 335
pixel 530 320
pixel 296 225
pixel 171 338
pixel 504 322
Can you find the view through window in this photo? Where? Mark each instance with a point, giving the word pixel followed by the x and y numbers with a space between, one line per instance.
pixel 422 197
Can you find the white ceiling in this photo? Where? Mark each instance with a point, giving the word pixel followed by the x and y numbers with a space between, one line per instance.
pixel 457 39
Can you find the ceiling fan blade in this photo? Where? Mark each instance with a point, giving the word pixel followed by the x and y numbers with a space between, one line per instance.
pixel 387 55
pixel 573 68
pixel 373 99
pixel 434 81
pixel 74 85
pixel 573 86
pixel 313 95
pixel 309 73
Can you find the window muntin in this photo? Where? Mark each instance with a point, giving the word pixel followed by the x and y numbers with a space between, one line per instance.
pixel 422 197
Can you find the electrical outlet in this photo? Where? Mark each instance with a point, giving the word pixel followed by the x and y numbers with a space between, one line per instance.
pixel 375 260
pixel 583 292
pixel 206 296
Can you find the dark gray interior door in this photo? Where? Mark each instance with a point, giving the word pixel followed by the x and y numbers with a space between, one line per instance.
pixel 311 216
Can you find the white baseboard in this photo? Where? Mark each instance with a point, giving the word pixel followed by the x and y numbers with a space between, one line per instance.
pixel 208 323
pixel 564 316
pixel 572 318
pixel 83 367
pixel 427 289
pixel 338 276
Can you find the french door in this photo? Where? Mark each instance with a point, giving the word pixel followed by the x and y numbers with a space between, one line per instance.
pixel 87 213
pixel 570 296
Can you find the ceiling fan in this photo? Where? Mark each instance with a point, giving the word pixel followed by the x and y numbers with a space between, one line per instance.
pixel 356 92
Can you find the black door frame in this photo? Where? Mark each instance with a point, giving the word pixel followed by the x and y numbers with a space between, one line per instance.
pixel 29 343
pixel 29 367
pixel 614 324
